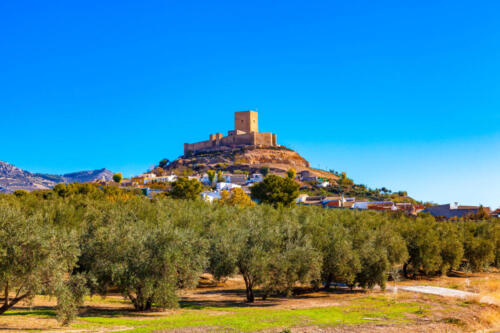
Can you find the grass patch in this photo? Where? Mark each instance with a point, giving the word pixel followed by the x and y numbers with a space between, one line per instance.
pixel 245 319
pixel 39 313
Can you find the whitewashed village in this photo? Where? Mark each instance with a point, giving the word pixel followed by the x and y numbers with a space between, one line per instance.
pixel 315 189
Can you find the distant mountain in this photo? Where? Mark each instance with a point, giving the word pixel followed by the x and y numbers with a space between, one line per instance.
pixel 13 178
pixel 79 176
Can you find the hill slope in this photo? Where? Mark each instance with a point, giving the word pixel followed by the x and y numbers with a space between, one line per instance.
pixel 13 178
pixel 279 160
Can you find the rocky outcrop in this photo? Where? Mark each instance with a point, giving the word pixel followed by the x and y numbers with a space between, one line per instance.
pixel 279 160
pixel 272 157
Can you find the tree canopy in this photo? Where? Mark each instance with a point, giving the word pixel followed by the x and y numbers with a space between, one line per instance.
pixel 276 191
pixel 78 239
pixel 184 188
pixel 117 177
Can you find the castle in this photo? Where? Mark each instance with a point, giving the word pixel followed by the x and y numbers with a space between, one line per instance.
pixel 245 133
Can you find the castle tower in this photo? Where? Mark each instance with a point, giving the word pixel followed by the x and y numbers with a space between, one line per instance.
pixel 246 121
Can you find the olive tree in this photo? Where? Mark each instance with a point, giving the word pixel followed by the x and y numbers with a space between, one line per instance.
pixel 184 188
pixel 117 177
pixel 135 247
pixel 268 248
pixel 37 256
pixel 276 191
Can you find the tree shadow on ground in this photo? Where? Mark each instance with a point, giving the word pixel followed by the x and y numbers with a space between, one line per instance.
pixel 90 311
pixel 47 311
pixel 237 297
pixel 202 304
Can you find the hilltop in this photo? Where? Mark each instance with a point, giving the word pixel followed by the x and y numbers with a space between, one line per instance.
pixel 13 178
pixel 247 159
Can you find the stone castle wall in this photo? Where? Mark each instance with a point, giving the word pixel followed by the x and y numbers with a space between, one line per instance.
pixel 245 134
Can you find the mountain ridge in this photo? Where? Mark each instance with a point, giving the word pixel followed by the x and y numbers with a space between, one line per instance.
pixel 13 178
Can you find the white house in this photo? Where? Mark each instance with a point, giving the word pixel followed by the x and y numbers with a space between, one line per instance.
pixel 235 178
pixel 210 196
pixel 147 175
pixel 226 186
pixel 256 178
pixel 323 184
pixel 302 198
pixel 204 179
pixel 169 179
pixel 378 205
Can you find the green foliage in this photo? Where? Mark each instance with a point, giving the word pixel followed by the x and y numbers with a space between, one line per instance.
pixel 220 178
pixel 70 295
pixel 184 188
pixel 164 162
pixel 423 242
pixel 141 252
pixel 264 170
pixel 35 254
pixel 291 173
pixel 452 250
pixel 237 197
pixel 117 177
pixel 276 191
pixel 82 236
pixel 479 244
pixel 268 248
pixel 211 176
pixel 20 193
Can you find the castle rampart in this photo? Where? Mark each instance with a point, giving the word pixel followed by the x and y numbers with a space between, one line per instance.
pixel 245 133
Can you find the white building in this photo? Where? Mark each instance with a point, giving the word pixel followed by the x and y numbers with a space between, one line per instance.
pixel 302 198
pixel 167 179
pixel 256 178
pixel 379 205
pixel 235 178
pixel 147 175
pixel 323 184
pixel 226 186
pixel 210 196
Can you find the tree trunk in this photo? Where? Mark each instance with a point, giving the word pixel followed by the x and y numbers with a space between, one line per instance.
pixel 249 291
pixel 405 270
pixel 149 304
pixel 328 282
pixel 133 300
pixel 7 305
pixel 6 300
pixel 250 296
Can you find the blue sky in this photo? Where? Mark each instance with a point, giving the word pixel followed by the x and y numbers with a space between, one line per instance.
pixel 402 94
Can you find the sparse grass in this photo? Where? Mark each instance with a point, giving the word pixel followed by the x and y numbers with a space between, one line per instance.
pixel 224 311
pixel 453 321
pixel 249 319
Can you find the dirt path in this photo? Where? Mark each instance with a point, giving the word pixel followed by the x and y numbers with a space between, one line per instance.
pixel 446 292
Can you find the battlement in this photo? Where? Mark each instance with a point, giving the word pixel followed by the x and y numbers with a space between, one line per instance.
pixel 245 133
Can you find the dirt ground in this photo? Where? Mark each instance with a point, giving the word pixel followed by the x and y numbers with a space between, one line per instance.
pixel 444 314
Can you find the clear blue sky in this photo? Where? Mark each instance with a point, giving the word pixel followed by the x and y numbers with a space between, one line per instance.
pixel 402 94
